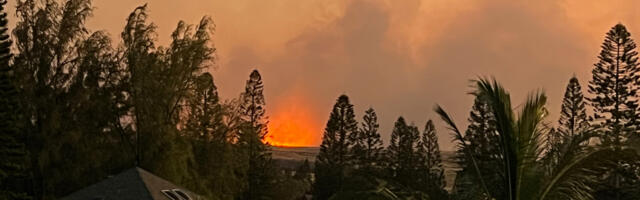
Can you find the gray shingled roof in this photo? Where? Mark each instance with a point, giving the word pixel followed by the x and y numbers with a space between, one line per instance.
pixel 133 184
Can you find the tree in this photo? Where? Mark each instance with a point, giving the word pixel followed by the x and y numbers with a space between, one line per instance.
pixel 615 101
pixel 332 161
pixel 13 154
pixel 82 98
pixel 50 37
pixel 431 171
pixel 614 87
pixel 573 120
pixel 367 147
pixel 403 153
pixel 252 135
pixel 204 119
pixel 482 139
pixel 573 117
pixel 519 139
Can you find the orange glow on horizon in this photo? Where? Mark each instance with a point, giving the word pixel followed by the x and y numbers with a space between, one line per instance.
pixel 292 124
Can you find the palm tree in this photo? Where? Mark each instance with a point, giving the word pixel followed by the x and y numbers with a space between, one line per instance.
pixel 525 177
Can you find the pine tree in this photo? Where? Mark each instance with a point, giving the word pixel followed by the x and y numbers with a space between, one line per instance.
pixel 13 157
pixel 482 138
pixel 367 145
pixel 573 120
pixel 332 161
pixel 252 135
pixel 614 87
pixel 432 172
pixel 615 103
pixel 403 153
pixel 573 117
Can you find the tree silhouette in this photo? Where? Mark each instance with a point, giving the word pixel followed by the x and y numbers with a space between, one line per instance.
pixel 332 161
pixel 614 87
pixel 573 117
pixel 403 156
pixel 615 102
pixel 431 169
pixel 482 139
pixel 367 147
pixel 252 106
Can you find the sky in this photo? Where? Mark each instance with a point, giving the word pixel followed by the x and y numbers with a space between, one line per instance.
pixel 399 57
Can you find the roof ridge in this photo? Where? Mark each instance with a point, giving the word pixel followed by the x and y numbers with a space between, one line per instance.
pixel 144 183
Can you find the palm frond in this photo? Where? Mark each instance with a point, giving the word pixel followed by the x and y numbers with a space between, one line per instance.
pixel 528 146
pixel 500 101
pixel 573 177
pixel 458 136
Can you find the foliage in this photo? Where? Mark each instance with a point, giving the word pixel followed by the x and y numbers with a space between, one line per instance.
pixel 367 150
pixel 615 103
pixel 614 86
pixel 520 140
pixel 332 161
pixel 251 136
pixel 573 117
pixel 431 172
pixel 76 109
pixel 13 154
pixel 482 139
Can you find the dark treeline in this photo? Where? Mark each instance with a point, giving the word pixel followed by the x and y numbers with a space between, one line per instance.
pixel 76 109
pixel 78 106
pixel 353 164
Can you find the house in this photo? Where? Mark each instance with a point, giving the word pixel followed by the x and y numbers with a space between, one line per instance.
pixel 133 184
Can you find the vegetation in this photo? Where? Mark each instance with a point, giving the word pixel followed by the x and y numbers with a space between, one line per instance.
pixel 615 104
pixel 69 94
pixel 332 162
pixel 12 149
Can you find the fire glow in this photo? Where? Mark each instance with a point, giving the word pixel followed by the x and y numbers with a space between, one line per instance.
pixel 292 125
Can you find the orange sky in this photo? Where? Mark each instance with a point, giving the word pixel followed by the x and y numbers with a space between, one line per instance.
pixel 400 57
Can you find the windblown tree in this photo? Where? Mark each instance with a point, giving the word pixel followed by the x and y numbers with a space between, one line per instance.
pixel 431 174
pixel 159 81
pixel 84 98
pixel 251 137
pixel 615 102
pixel 367 150
pixel 13 154
pixel 332 161
pixel 214 154
pixel 55 64
pixel 204 119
